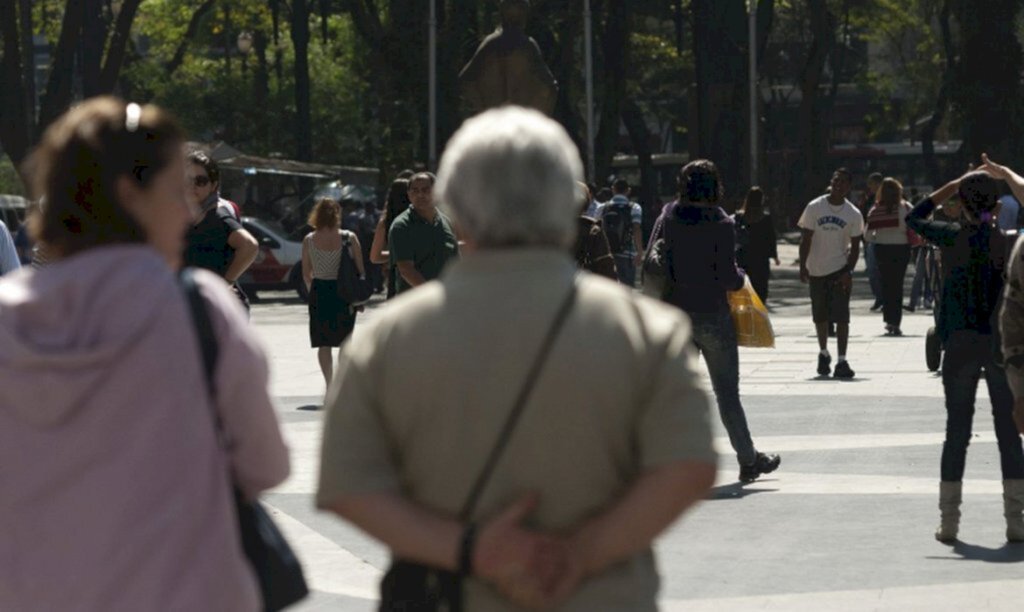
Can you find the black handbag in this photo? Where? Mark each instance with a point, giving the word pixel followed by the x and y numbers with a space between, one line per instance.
pixel 276 567
pixel 654 272
pixel 352 288
pixel 655 275
pixel 414 587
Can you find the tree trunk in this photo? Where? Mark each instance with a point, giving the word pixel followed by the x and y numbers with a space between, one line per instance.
pixel 190 33
pixel 118 45
pixel 720 58
pixel 808 177
pixel 303 118
pixel 28 60
pixel 941 100
pixel 988 92
pixel 59 88
pixel 636 125
pixel 94 37
pixel 15 132
pixel 615 51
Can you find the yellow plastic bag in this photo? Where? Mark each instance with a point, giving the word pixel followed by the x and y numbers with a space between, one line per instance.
pixel 750 317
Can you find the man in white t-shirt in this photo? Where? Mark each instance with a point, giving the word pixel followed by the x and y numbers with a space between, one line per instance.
pixel 831 228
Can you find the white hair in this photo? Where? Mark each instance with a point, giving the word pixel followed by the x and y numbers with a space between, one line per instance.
pixel 510 177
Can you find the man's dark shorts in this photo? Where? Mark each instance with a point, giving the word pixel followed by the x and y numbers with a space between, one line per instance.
pixel 830 303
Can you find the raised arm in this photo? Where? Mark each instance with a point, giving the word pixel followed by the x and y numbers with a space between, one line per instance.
pixel 936 232
pixel 1013 180
pixel 380 240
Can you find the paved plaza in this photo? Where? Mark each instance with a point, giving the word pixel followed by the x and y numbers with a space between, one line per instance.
pixel 845 524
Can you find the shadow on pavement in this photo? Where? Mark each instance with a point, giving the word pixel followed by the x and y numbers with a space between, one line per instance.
pixel 736 490
pixel 1007 553
pixel 310 407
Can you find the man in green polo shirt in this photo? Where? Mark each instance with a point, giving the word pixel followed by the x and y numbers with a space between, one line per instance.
pixel 422 239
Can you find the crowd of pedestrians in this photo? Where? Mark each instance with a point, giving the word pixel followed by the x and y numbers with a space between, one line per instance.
pixel 448 417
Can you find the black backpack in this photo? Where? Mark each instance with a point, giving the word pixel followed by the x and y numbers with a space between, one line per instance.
pixel 617 220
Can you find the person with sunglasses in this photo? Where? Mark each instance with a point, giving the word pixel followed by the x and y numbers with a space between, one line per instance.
pixel 217 241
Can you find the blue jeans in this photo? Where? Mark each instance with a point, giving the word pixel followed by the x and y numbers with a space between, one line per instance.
pixel 715 338
pixel 874 277
pixel 625 265
pixel 967 354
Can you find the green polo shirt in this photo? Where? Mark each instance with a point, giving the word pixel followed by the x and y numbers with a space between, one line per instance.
pixel 429 245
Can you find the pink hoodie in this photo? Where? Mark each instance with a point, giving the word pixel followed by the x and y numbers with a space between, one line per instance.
pixel 114 492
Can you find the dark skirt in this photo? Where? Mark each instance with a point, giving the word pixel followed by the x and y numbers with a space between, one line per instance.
pixel 330 319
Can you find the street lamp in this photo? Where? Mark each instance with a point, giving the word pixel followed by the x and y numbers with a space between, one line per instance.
pixel 244 43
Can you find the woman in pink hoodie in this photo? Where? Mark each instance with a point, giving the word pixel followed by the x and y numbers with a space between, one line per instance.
pixel 115 493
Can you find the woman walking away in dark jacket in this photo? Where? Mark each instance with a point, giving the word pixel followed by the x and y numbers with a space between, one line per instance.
pixel 756 241
pixel 973 260
pixel 700 257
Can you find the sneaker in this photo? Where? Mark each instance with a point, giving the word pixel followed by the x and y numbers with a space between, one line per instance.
pixel 824 365
pixel 764 464
pixel 843 371
pixel 877 306
pixel 910 308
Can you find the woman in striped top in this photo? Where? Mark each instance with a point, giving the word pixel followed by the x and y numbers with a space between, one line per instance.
pixel 887 229
pixel 331 319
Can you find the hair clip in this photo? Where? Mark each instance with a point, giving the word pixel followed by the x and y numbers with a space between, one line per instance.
pixel 132 116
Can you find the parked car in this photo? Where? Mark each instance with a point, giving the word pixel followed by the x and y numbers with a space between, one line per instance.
pixel 278 266
pixel 12 211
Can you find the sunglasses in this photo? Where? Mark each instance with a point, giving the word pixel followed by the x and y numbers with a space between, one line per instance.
pixel 201 181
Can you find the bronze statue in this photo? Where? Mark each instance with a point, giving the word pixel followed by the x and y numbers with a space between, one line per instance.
pixel 508 67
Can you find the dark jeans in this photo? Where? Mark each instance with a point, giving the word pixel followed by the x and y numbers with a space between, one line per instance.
pixel 715 338
pixel 759 270
pixel 871 266
pixel 625 265
pixel 967 354
pixel 892 268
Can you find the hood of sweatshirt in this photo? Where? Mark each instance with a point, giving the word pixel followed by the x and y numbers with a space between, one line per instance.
pixel 63 328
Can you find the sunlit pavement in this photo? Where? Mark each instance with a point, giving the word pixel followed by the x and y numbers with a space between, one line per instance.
pixel 845 524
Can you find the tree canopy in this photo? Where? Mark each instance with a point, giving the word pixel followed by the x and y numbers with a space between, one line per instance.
pixel 345 81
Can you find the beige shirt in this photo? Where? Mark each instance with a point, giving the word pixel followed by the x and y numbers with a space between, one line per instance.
pixel 422 394
pixel 1011 320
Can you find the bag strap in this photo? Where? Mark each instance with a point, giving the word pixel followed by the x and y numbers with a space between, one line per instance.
pixel 520 404
pixel 204 331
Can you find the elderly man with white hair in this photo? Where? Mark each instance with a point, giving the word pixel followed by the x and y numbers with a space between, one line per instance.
pixel 460 431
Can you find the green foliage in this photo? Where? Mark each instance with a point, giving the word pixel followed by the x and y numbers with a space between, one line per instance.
pixel 219 94
pixel 909 62
pixel 661 74
pixel 10 182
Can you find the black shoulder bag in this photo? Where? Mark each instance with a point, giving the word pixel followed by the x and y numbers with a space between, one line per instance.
pixel 414 587
pixel 275 565
pixel 352 288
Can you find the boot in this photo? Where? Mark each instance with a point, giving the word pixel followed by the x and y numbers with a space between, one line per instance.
pixel 1013 509
pixel 950 496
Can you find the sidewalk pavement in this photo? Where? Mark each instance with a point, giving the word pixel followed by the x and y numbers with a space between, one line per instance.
pixel 845 523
